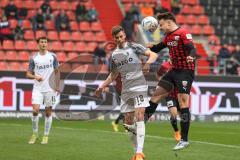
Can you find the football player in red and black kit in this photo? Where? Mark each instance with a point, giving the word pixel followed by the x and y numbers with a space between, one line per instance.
pixel 171 100
pixel 182 55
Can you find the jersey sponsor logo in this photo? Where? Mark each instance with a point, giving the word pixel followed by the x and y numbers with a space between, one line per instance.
pixel 189 36
pixel 46 66
pixel 172 43
pixel 122 63
pixel 176 38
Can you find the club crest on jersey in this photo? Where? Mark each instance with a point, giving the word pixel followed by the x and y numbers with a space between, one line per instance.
pixel 189 36
pixel 184 83
pixel 176 38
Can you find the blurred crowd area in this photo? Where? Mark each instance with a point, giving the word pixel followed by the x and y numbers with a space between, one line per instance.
pixel 217 22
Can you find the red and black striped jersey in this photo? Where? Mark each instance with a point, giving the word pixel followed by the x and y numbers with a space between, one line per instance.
pixel 176 42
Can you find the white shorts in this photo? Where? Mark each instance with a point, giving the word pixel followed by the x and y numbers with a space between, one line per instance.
pixel 135 102
pixel 46 98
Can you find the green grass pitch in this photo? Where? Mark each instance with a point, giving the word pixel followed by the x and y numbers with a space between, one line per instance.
pixel 94 140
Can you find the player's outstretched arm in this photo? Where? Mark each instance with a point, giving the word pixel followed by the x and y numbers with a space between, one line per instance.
pixel 157 47
pixel 152 57
pixel 111 77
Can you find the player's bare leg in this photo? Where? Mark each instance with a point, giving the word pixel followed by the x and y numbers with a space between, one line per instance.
pixel 48 124
pixel 173 119
pixel 35 120
pixel 183 100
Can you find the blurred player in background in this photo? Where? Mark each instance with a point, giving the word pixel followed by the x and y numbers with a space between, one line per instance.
pixel 182 55
pixel 118 89
pixel 134 99
pixel 41 67
pixel 171 100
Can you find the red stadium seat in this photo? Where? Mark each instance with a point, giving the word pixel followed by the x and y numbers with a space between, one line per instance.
pixel 180 19
pixel 8 45
pixel 100 37
pixel 25 66
pixel 88 36
pixel 74 26
pixel 208 30
pixel 68 46
pixel 186 9
pixel 13 23
pixel 187 27
pixel 20 45
pixel 30 4
pixel 26 24
pixel 64 36
pixel 50 25
pixel 74 5
pixel 71 15
pixel 96 26
pixel 64 5
pixel 76 36
pixel 56 46
pixel 81 47
pixel 203 20
pixel 32 45
pixel 54 5
pixel 197 10
pixel 2 55
pixel 196 30
pixel 29 35
pixel 91 46
pixel 23 56
pixel 3 3
pixel 213 38
pixel 39 3
pixel 18 3
pixel 191 19
pixel 40 34
pixel 14 66
pixel 31 13
pixel 84 26
pixel 61 56
pixel 193 2
pixel 86 58
pixel 11 55
pixel 73 56
pixel 52 35
pixel 3 66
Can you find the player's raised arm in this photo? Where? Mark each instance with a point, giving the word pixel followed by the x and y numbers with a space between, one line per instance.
pixel 157 47
pixel 152 57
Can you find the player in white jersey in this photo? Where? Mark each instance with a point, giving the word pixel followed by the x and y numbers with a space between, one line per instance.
pixel 126 62
pixel 41 66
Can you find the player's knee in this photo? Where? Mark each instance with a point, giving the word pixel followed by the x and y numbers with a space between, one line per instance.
pixel 173 119
pixel 35 112
pixel 185 117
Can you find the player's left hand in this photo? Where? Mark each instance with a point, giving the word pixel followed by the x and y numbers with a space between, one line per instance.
pixel 98 91
pixel 190 59
pixel 146 68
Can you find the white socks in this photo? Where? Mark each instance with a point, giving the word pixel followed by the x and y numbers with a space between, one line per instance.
pixel 140 136
pixel 48 124
pixel 35 120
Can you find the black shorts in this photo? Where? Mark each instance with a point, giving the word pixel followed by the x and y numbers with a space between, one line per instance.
pixel 181 80
pixel 172 102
